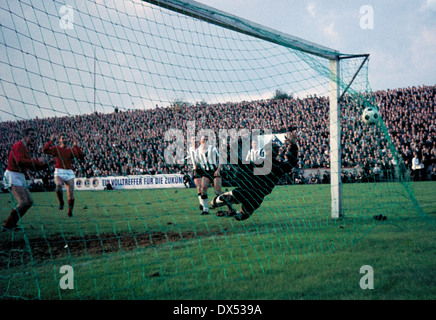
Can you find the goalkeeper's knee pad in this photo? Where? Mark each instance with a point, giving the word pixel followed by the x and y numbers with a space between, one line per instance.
pixel 225 198
pixel 216 202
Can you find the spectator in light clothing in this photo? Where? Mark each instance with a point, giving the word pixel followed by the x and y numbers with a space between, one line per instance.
pixel 416 166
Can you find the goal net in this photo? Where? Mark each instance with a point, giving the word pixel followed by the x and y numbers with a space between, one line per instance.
pixel 131 82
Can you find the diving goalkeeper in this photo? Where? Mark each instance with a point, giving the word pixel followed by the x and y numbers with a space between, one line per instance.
pixel 251 192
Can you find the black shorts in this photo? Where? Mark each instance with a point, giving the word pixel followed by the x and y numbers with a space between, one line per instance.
pixel 200 173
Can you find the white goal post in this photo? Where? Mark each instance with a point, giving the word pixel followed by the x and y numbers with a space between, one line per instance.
pixel 225 20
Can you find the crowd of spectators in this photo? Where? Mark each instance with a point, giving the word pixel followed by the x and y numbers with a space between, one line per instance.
pixel 132 142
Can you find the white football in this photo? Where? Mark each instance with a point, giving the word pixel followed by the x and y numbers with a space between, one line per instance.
pixel 370 115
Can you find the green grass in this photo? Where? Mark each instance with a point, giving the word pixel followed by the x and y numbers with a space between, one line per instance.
pixel 154 244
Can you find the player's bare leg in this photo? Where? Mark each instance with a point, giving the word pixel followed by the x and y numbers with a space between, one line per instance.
pixel 197 182
pixel 59 182
pixel 69 185
pixel 24 200
pixel 217 182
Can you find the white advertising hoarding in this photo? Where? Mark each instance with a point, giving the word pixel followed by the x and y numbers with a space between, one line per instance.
pixel 158 181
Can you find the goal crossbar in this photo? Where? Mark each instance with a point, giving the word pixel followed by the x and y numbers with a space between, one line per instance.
pixel 225 20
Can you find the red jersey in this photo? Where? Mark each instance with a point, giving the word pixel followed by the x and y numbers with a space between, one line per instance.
pixel 19 159
pixel 63 156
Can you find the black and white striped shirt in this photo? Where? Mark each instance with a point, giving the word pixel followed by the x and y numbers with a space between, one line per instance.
pixel 208 159
pixel 192 154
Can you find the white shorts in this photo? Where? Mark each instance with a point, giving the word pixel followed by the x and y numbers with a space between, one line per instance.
pixel 12 178
pixel 64 174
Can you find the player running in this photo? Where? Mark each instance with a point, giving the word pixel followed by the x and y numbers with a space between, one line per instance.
pixel 18 162
pixel 64 174
pixel 251 193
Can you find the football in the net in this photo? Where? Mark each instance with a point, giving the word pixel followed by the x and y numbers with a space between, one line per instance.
pixel 370 115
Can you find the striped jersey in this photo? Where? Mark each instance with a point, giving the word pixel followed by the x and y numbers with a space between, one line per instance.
pixel 192 154
pixel 207 160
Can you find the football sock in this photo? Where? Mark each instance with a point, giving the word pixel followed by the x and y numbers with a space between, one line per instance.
pixel 60 197
pixel 199 199
pixel 70 206
pixel 204 202
pixel 12 219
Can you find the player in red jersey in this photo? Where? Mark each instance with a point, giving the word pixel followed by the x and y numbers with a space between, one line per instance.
pixel 64 174
pixel 18 162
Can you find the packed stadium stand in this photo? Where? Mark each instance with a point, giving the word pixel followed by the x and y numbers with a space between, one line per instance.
pixel 129 142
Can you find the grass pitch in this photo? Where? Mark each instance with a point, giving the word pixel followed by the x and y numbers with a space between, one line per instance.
pixel 154 244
